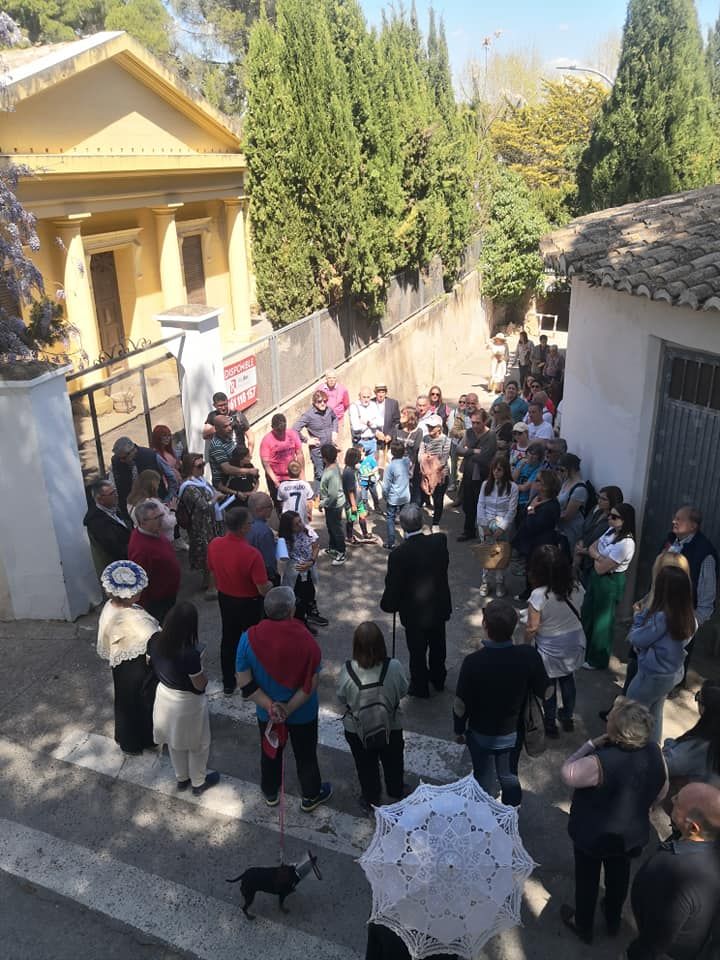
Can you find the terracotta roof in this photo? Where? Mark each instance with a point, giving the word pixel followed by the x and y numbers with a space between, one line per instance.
pixel 665 249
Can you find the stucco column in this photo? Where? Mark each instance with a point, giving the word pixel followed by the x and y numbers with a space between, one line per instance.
pixel 79 303
pixel 171 273
pixel 235 213
pixel 200 357
pixel 46 568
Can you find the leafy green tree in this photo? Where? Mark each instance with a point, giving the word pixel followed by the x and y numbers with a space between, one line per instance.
pixel 655 135
pixel 543 141
pixel 511 265
pixel 52 21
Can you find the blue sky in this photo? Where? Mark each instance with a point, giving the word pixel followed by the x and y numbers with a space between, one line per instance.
pixel 560 30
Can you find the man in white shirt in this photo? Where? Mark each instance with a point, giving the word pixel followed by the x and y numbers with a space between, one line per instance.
pixel 365 420
pixel 538 429
pixel 424 412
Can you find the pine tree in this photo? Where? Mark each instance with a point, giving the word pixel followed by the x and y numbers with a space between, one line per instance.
pixel 655 135
pixel 52 21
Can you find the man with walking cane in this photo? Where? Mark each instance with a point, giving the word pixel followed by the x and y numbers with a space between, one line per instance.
pixel 417 588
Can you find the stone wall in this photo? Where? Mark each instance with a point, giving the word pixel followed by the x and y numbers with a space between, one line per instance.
pixel 414 355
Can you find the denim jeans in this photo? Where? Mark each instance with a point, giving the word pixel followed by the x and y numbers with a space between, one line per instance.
pixel 651 689
pixel 334 524
pixel 392 509
pixel 568 693
pixel 503 764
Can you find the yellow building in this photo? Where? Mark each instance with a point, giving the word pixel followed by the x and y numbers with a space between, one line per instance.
pixel 138 188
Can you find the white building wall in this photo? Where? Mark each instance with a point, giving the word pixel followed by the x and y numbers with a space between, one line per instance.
pixel 613 362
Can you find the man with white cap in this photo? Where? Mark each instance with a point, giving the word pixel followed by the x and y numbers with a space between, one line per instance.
pixel 365 421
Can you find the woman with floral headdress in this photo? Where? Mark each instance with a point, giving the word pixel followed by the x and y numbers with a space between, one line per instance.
pixel 124 629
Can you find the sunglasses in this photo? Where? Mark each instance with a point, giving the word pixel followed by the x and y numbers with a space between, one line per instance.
pixel 198 464
pixel 614 516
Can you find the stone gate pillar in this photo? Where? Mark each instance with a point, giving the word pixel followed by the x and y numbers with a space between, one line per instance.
pixel 199 354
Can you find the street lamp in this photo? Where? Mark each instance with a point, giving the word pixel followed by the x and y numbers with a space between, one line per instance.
pixel 608 81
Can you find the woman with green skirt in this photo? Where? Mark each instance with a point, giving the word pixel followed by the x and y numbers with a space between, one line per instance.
pixel 611 554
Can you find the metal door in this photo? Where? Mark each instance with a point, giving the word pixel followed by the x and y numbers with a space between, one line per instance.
pixel 107 301
pixel 685 462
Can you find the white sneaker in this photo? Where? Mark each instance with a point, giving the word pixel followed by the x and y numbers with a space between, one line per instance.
pixel 338 560
pixel 435 528
pixel 588 666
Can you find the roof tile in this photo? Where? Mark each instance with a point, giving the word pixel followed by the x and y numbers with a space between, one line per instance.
pixel 667 248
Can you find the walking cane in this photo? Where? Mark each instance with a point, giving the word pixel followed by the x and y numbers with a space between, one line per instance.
pixel 394 616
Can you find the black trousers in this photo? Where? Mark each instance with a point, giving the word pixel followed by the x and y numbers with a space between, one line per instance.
pixel 471 492
pixel 303 737
pixel 438 501
pixel 587 885
pixel 427 650
pixel 367 764
pixel 304 597
pixel 237 614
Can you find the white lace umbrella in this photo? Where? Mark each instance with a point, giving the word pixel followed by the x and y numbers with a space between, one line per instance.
pixel 447 868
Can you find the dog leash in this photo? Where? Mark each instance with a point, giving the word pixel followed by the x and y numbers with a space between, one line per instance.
pixel 282 809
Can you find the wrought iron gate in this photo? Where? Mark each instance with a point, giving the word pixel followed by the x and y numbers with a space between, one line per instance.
pixel 685 461
pixel 127 393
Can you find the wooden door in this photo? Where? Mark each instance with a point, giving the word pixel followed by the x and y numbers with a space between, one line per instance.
pixel 193 269
pixel 107 301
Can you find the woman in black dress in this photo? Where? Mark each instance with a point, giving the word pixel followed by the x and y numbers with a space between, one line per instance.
pixel 124 629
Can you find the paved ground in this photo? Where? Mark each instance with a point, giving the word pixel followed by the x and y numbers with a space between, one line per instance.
pixel 99 856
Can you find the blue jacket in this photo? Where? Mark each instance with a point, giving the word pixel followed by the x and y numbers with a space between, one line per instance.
pixel 396 482
pixel 657 652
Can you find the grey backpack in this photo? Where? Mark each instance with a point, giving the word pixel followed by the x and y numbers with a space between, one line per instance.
pixel 373 711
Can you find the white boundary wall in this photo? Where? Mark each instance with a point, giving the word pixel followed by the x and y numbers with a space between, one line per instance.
pixel 611 379
pixel 46 568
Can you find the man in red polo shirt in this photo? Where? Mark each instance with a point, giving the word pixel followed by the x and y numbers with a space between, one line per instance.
pixel 277 450
pixel 156 555
pixel 242 582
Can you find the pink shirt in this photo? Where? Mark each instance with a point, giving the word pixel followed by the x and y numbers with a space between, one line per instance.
pixel 277 454
pixel 338 399
pixel 583 769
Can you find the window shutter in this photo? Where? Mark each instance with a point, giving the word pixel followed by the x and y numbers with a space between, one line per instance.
pixel 193 269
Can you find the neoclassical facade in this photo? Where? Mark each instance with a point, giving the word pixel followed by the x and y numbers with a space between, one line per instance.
pixel 137 185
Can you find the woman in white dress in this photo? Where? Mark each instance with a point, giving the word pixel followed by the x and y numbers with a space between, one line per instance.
pixel 496 510
pixel 181 718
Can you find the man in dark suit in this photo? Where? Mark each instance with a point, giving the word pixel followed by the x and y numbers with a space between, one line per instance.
pixel 416 587
pixel 389 415
pixel 109 532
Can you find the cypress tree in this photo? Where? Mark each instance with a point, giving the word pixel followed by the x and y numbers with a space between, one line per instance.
pixel 281 239
pixel 655 135
pixel 712 55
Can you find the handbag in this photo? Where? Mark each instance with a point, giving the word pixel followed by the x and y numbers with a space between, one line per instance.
pixel 534 724
pixel 493 555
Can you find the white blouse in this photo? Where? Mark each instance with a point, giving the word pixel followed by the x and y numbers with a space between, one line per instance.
pixel 620 553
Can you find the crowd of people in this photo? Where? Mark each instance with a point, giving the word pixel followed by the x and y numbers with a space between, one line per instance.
pixel 534 521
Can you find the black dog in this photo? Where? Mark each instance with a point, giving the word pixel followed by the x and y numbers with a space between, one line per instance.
pixel 280 881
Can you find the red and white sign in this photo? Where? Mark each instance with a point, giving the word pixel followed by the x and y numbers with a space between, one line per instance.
pixel 241 383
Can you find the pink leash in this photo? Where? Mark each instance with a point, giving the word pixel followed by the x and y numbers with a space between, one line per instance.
pixel 282 809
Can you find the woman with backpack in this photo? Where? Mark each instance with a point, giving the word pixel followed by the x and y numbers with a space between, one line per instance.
pixel 575 502
pixel 195 513
pixel 370 687
pixel 553 624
